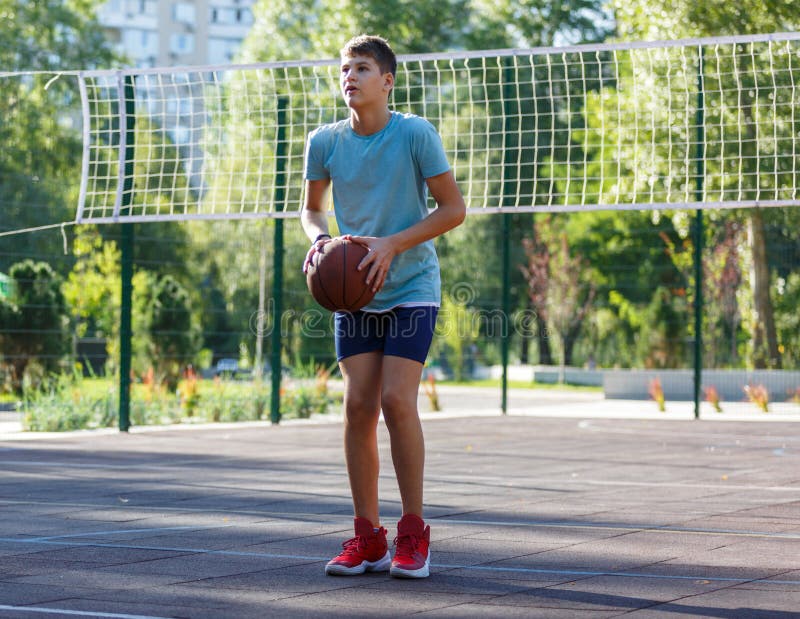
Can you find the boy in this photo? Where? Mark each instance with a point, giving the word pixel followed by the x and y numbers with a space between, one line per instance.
pixel 379 163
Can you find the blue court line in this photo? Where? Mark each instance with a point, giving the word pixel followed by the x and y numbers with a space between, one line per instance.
pixel 44 610
pixel 483 568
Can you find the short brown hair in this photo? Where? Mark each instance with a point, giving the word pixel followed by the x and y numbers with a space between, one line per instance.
pixel 373 46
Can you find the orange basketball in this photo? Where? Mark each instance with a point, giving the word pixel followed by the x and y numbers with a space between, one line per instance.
pixel 332 277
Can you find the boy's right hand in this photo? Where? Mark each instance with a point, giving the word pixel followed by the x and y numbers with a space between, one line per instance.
pixel 315 247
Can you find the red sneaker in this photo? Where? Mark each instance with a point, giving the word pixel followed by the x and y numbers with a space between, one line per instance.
pixel 366 552
pixel 412 557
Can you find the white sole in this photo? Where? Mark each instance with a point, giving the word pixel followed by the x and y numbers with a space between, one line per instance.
pixel 422 572
pixel 381 565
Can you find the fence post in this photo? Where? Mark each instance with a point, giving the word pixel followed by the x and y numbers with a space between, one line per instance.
pixel 126 267
pixel 277 262
pixel 698 240
pixel 508 200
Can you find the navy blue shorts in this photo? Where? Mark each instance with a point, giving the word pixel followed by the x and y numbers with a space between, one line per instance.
pixel 401 332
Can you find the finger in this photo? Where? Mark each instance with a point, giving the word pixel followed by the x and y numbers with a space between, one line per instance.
pixel 376 276
pixel 366 261
pixel 309 259
pixel 361 240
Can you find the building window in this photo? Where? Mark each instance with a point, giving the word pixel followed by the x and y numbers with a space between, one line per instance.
pixel 222 51
pixel 181 43
pixel 184 12
pixel 229 16
pixel 140 43
pixel 141 7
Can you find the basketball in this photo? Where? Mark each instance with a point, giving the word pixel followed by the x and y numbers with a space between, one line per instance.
pixel 333 280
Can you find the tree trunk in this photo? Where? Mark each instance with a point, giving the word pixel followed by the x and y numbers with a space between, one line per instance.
pixel 765 339
pixel 525 344
pixel 543 337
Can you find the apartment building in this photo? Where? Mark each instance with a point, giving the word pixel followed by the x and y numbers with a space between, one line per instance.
pixel 170 33
pixel 162 33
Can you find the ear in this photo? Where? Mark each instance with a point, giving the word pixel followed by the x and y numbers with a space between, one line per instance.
pixel 388 81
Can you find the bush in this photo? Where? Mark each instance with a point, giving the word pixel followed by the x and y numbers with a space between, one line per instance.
pixel 61 405
pixel 33 322
pixel 64 403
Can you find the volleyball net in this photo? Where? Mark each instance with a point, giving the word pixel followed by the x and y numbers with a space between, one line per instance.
pixel 704 123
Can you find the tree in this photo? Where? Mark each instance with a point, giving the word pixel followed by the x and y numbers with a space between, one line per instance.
pixel 173 330
pixel 33 321
pixel 40 133
pixel 561 284
pixel 457 329
pixel 648 19
pixel 537 275
pixel 315 29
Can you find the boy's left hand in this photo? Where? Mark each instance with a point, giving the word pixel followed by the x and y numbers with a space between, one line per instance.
pixel 381 253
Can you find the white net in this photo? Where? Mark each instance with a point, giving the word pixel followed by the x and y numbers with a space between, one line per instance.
pixel 707 123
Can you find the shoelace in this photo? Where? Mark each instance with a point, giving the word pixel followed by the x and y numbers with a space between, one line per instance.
pixel 406 545
pixel 354 544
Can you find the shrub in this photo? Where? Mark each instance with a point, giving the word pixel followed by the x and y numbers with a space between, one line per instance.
pixel 61 405
pixel 656 392
pixel 304 401
pixel 712 397
pixel 758 395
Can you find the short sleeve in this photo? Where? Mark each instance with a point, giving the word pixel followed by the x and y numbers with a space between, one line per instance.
pixel 315 169
pixel 428 150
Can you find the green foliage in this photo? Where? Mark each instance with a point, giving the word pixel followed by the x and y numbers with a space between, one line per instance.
pixel 92 288
pixel 174 333
pixel 674 19
pixel 661 345
pixel 457 328
pixel 34 321
pixel 787 300
pixel 304 401
pixel 40 130
pixel 65 404
pixel 70 402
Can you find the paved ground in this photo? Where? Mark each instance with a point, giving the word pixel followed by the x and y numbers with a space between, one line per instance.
pixel 531 516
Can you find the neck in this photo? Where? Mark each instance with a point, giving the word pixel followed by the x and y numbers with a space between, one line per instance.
pixel 367 122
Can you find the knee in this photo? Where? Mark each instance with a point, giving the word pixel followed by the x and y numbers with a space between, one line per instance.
pixel 361 412
pixel 395 403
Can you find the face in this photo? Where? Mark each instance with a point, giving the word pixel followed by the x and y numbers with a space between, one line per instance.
pixel 362 82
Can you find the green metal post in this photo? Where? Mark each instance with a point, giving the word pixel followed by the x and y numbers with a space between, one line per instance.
pixel 698 242
pixel 508 200
pixel 126 275
pixel 506 305
pixel 277 279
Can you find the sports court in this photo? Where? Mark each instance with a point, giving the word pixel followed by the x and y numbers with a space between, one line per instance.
pixel 570 505
pixel 532 515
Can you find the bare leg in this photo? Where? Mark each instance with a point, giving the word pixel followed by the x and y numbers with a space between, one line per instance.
pixel 362 385
pixel 399 402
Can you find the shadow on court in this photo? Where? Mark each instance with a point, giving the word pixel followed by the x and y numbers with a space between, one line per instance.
pixel 529 517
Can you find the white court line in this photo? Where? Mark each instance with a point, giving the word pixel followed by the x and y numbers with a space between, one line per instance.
pixel 433 478
pixel 125 531
pixel 112 467
pixel 483 568
pixel 605 482
pixel 44 610
pixel 624 527
pixel 302 518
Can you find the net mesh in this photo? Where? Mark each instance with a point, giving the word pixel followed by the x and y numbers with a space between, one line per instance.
pixel 614 126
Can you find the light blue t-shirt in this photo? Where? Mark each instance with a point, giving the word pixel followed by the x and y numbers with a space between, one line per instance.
pixel 379 189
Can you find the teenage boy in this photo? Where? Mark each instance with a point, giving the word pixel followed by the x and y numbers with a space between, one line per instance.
pixel 380 165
